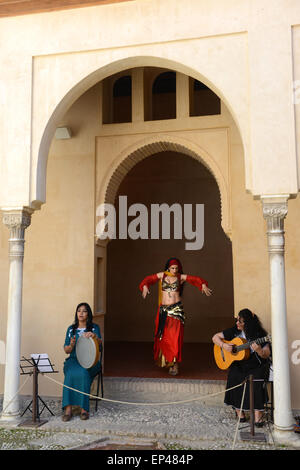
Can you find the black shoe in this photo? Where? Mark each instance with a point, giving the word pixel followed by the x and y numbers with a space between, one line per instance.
pixel 242 420
pixel 259 424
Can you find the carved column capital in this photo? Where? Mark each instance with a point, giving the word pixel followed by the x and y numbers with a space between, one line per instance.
pixel 17 221
pixel 275 209
pixel 275 213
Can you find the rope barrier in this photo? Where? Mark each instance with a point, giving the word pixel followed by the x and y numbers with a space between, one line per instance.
pixel 26 380
pixel 147 404
pixel 164 403
pixel 140 403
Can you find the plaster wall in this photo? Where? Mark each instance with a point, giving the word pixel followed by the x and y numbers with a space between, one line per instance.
pixel 59 247
pixel 296 89
pixel 243 52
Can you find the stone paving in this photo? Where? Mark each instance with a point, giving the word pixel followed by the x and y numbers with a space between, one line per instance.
pixel 196 423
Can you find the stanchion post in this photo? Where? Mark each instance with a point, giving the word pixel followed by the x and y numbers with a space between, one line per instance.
pixel 248 436
pixel 35 415
pixel 251 394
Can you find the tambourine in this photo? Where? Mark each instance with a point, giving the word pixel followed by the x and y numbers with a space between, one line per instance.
pixel 87 351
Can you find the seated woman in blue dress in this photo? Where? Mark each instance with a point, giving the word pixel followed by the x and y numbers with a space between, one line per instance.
pixel 76 376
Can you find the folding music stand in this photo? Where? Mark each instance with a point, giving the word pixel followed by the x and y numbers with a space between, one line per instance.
pixel 38 364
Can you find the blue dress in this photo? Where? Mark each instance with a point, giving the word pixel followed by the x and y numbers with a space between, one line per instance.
pixel 77 376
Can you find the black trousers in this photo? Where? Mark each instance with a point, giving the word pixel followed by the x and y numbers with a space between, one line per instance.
pixel 238 372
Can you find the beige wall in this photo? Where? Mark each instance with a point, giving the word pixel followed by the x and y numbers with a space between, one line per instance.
pixel 296 87
pixel 59 248
pixel 243 52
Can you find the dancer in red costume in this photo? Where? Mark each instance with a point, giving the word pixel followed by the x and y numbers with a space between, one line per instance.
pixel 169 324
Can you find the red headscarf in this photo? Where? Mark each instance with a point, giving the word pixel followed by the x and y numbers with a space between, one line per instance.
pixel 176 262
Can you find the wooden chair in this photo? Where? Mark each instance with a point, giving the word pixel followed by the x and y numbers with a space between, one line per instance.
pixel 99 378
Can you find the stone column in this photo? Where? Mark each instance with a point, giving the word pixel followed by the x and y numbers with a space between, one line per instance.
pixel 138 95
pixel 17 221
pixel 182 96
pixel 274 211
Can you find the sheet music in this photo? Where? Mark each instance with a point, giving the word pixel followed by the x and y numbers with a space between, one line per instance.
pixel 271 373
pixel 43 362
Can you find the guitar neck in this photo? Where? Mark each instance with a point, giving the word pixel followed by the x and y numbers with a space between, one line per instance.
pixel 248 344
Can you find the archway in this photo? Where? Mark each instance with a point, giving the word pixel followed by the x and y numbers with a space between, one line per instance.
pixel 129 320
pixel 45 125
pixel 162 142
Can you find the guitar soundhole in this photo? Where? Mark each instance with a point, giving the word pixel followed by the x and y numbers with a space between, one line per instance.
pixel 234 349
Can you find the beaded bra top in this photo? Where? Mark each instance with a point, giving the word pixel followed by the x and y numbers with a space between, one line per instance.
pixel 170 287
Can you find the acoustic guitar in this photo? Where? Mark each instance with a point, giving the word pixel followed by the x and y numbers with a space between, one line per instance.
pixel 240 351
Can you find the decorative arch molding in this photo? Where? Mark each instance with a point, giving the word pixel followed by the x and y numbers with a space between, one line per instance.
pixel 87 76
pixel 132 155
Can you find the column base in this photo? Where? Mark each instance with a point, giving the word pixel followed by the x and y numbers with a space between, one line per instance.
pixel 287 438
pixel 10 419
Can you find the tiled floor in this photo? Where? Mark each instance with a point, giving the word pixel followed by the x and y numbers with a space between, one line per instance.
pixel 125 359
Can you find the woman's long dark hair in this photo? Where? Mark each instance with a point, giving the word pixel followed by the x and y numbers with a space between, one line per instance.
pixel 89 320
pixel 180 271
pixel 253 327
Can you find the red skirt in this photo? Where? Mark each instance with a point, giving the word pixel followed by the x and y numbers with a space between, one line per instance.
pixel 168 347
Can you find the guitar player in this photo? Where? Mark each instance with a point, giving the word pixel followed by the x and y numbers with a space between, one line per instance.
pixel 247 326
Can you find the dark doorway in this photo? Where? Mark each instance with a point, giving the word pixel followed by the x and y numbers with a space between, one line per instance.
pixel 168 177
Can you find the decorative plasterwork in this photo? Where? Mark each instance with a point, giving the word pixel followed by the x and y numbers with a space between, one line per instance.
pixel 130 157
